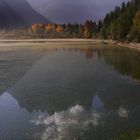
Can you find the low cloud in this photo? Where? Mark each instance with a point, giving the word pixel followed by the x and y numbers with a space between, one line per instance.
pixel 62 11
pixel 67 124
pixel 123 112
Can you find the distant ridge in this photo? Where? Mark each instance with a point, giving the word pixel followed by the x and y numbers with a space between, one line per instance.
pixel 18 13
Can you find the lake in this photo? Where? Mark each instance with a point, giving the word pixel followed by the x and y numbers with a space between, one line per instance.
pixel 69 91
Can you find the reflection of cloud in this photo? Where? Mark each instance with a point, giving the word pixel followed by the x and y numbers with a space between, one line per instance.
pixel 97 104
pixel 123 112
pixel 67 124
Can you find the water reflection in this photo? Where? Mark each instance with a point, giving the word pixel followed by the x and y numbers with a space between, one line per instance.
pixel 125 61
pixel 97 104
pixel 73 91
pixel 14 63
pixel 123 112
pixel 73 123
pixel 68 124
pixel 14 120
pixel 63 78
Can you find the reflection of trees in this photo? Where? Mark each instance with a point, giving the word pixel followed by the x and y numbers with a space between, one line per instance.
pixel 89 53
pixel 124 60
pixel 42 97
pixel 39 96
pixel 57 97
pixel 37 90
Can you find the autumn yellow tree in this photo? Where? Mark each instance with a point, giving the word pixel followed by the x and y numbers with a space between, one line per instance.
pixel 59 29
pixel 89 26
pixel 38 28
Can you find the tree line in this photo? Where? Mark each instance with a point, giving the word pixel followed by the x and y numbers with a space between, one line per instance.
pixel 123 23
pixel 72 30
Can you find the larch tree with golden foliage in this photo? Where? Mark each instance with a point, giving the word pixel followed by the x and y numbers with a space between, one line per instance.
pixel 89 26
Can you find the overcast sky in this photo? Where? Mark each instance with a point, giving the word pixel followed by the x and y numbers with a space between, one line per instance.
pixel 62 11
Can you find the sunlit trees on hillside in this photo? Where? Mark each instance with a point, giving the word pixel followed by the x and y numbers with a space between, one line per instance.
pixel 38 27
pixel 88 31
pixel 66 30
pixel 59 29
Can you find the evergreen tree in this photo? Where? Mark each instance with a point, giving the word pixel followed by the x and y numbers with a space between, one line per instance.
pixel 122 22
pixel 135 32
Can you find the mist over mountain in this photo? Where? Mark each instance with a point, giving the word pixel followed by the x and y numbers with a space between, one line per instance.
pixel 64 11
pixel 18 13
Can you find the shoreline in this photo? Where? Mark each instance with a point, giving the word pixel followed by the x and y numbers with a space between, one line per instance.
pixel 54 40
pixel 135 46
pixel 44 42
pixel 11 42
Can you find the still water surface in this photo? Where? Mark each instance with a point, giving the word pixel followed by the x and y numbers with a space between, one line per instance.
pixel 71 92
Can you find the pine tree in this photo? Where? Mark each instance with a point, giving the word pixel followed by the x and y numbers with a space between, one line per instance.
pixel 135 32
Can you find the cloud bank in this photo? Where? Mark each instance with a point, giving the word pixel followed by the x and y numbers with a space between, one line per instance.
pixel 67 124
pixel 62 11
pixel 72 123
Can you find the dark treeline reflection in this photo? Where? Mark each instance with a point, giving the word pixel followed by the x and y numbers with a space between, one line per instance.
pixel 68 76
pixel 125 61
pixel 96 85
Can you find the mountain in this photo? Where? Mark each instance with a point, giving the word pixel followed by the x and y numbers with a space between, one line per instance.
pixel 18 13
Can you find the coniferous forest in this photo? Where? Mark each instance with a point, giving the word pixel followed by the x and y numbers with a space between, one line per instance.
pixel 123 23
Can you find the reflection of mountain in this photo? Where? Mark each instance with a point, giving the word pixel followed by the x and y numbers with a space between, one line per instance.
pixel 15 62
pixel 53 85
pixel 61 80
pixel 15 120
pixel 96 125
pixel 17 13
